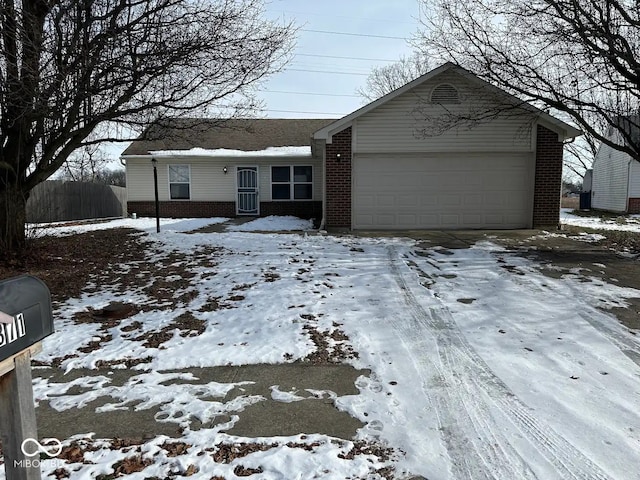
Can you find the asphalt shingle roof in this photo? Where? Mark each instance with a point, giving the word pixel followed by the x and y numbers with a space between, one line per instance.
pixel 236 134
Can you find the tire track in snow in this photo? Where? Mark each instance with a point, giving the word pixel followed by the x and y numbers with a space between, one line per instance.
pixel 468 391
pixel 628 346
pixel 476 448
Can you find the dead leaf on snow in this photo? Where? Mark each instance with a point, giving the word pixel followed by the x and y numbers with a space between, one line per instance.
pixel 241 471
pixel 175 448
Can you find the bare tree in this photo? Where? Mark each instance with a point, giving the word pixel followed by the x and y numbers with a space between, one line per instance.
pixel 579 156
pixel 85 163
pixel 117 177
pixel 577 59
pixel 69 67
pixel 386 79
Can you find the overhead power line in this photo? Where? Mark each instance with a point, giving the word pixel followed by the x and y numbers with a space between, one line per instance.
pixel 345 58
pixel 353 34
pixel 366 19
pixel 325 71
pixel 329 67
pixel 312 93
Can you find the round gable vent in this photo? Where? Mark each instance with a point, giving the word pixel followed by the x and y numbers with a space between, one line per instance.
pixel 445 93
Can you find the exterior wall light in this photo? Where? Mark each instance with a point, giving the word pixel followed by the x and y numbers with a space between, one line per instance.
pixel 337 157
pixel 225 169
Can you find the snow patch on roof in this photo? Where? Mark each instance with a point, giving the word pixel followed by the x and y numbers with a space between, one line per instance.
pixel 304 151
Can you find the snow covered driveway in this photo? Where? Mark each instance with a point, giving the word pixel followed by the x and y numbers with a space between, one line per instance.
pixel 482 366
pixel 502 372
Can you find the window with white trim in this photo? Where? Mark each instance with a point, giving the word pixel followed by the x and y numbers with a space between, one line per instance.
pixel 179 182
pixel 292 182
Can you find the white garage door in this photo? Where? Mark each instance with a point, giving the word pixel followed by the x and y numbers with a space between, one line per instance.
pixel 443 191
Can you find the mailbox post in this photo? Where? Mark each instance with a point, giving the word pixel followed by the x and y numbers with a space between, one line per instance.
pixel 25 319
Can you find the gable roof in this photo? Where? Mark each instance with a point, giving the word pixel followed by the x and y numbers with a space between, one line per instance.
pixel 564 130
pixel 247 134
pixel 630 127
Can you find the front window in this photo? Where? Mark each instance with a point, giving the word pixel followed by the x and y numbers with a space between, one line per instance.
pixel 179 182
pixel 293 182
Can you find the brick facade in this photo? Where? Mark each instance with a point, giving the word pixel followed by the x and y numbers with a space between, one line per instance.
pixel 297 209
pixel 183 209
pixel 190 209
pixel 338 180
pixel 548 179
pixel 634 205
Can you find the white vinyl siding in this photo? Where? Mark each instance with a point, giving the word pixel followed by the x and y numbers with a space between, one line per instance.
pixel 610 180
pixel 208 181
pixel 443 191
pixel 634 179
pixel 139 175
pixel 398 124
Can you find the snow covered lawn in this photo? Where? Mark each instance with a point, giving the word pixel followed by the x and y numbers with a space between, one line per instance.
pixel 481 365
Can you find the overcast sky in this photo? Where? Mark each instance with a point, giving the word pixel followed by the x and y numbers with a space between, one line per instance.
pixel 364 33
pixel 316 84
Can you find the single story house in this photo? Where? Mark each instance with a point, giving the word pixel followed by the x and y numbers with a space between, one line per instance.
pixel 615 184
pixel 445 151
pixel 209 168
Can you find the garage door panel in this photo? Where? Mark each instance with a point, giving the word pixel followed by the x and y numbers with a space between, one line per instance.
pixel 450 220
pixel 471 200
pixel 439 191
pixel 509 219
pixel 408 200
pixel 450 200
pixel 472 180
pixel 516 202
pixel 386 220
pixel 366 200
pixel 472 219
pixel 428 200
pixel 364 220
pixel 493 219
pixel 498 199
pixel 385 200
pixel 428 219
pixel 407 219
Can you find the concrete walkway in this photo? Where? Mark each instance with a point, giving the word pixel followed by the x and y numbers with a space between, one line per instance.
pixel 265 418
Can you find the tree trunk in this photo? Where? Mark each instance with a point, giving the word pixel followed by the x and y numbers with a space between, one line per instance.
pixel 13 216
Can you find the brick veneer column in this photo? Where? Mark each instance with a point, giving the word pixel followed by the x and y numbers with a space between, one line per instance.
pixel 338 180
pixel 634 205
pixel 548 179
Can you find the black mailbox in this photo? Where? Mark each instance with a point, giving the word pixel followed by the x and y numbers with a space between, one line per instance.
pixel 25 314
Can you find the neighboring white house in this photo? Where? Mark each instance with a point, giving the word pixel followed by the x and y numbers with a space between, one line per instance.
pixel 616 178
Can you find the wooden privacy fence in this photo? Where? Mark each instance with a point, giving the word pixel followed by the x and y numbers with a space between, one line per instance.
pixel 59 201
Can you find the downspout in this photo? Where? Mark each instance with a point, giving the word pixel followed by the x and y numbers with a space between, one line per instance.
pixel 628 180
pixel 323 222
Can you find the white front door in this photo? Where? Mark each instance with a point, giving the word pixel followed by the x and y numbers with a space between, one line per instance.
pixel 247 180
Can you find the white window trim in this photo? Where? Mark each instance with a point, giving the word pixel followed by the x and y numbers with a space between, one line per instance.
pixel 169 182
pixel 291 184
